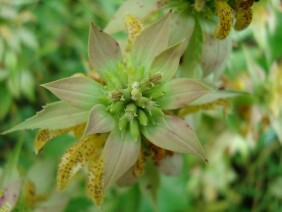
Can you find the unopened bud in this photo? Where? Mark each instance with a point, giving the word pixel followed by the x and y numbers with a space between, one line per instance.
pixel 145 103
pixel 135 93
pixel 134 129
pixel 116 107
pixel 130 111
pixel 135 85
pixel 115 95
pixel 155 78
pixel 122 124
pixel 142 117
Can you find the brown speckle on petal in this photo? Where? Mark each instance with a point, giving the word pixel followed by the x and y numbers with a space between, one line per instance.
pixel 226 15
pixel 95 183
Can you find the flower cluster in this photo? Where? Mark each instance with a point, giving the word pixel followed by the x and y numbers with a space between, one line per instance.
pixel 126 113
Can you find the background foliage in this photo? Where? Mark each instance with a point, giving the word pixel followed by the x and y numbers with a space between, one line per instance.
pixel 41 41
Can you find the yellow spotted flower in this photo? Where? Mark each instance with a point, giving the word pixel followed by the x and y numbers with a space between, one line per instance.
pixel 244 14
pixel 226 16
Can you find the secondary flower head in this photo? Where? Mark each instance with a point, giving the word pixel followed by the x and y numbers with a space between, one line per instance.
pixel 118 119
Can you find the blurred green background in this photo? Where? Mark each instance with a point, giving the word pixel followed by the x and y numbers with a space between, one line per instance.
pixel 41 41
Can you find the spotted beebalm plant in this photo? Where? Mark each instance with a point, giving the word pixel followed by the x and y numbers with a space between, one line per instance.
pixel 117 117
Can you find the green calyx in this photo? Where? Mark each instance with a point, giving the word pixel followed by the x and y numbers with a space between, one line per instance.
pixel 133 97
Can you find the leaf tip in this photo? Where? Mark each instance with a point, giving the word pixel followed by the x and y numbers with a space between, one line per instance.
pixel 9 131
pixel 6 132
pixel 45 85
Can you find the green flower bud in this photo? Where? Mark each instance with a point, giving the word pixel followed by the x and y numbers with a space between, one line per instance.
pixel 134 129
pixel 130 111
pixel 115 95
pixel 144 102
pixel 116 107
pixel 122 124
pixel 135 85
pixel 155 78
pixel 135 94
pixel 142 117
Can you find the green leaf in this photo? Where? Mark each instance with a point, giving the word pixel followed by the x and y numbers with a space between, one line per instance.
pixel 181 92
pixel 120 154
pixel 54 116
pixel 6 101
pixel 215 95
pixel 151 42
pixel 167 62
pixel 79 203
pixel 2 49
pixel 99 121
pixel 80 92
pixel 103 50
pixel 28 38
pixel 253 68
pixel 174 134
pixel 10 61
pixel 138 8
pixel 27 84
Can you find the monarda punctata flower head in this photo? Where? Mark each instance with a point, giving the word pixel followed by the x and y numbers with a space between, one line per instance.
pixel 116 120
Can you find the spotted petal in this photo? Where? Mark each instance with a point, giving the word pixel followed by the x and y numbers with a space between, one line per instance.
pixel 80 92
pixel 174 134
pixel 181 92
pixel 95 188
pixel 87 149
pixel 103 50
pixel 226 16
pixel 45 135
pixel 120 154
